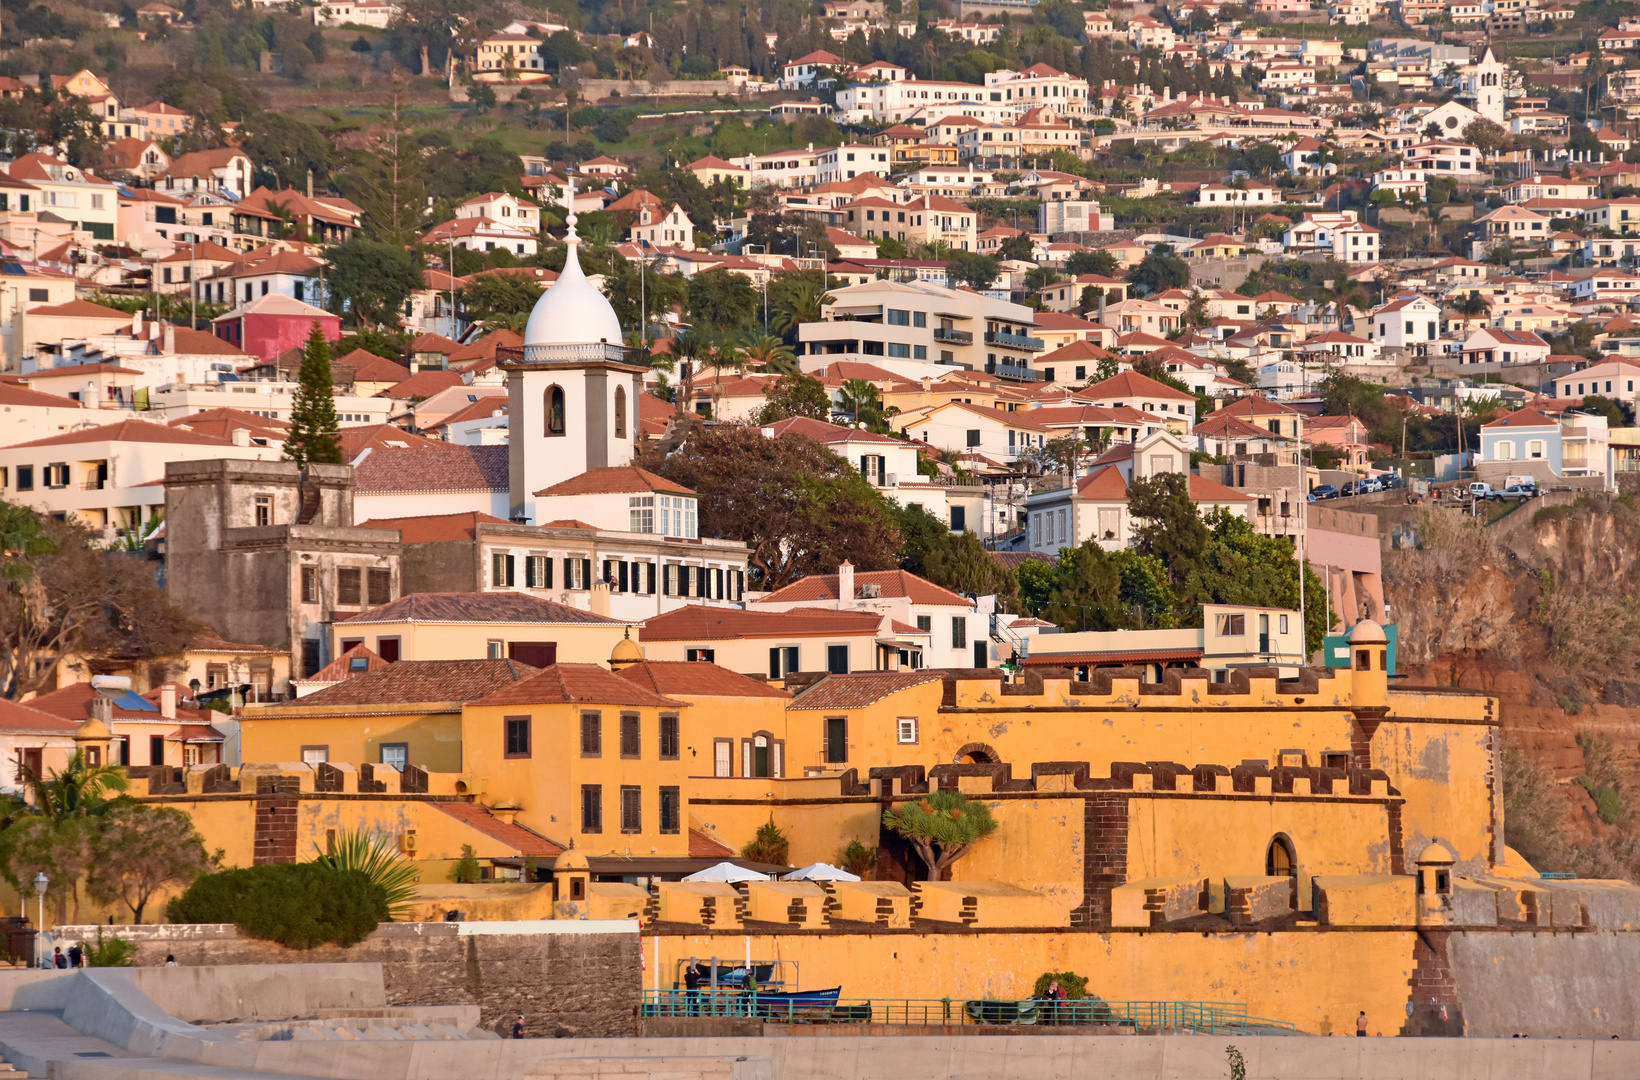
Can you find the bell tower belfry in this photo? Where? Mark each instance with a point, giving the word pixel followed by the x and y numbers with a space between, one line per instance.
pixel 572 402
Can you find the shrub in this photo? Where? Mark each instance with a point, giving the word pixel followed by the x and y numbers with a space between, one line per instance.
pixel 113 952
pixel 770 845
pixel 858 859
pixel 374 855
pixel 299 905
pixel 466 871
pixel 1074 985
pixel 1607 803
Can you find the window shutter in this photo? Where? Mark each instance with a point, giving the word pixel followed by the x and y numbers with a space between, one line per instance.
pixel 607 575
pixel 586 572
pixel 651 575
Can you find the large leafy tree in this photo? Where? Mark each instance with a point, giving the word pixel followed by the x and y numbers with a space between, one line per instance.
pixel 138 850
pixel 62 593
pixel 286 150
pixel 373 280
pixel 799 507
pixel 1170 526
pixel 313 437
pixel 1160 270
pixel 956 561
pixel 795 300
pixel 723 300
pixel 1102 263
pixel 1241 566
pixel 972 269
pixel 794 395
pixel 942 827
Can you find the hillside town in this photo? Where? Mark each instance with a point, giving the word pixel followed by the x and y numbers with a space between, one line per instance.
pixel 1129 506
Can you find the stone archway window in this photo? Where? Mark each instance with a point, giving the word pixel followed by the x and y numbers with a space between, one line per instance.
pixel 1280 861
pixel 553 402
pixel 620 412
pixel 977 754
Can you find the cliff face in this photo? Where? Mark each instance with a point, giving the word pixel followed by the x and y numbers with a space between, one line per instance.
pixel 1540 610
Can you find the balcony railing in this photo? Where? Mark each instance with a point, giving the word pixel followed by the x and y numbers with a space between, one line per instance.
pixel 955 337
pixel 1014 371
pixel 1014 341
pixel 93 485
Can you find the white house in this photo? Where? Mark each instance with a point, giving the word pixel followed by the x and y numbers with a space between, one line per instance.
pixel 1406 322
pixel 1492 345
pixel 1615 379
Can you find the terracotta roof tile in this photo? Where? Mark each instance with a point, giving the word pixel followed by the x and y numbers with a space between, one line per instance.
pixel 613 481
pixel 682 678
pixel 342 668
pixel 478 607
pixel 579 684
pixel 435 528
pixel 416 681
pixel 524 841
pixel 702 846
pixel 134 431
pixel 860 690
pixel 423 384
pixel 356 440
pixel 1132 384
pixel 693 623
pixel 894 583
pixel 433 467
pixel 23 720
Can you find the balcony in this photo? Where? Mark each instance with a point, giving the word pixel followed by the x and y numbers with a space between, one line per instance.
pixel 953 336
pixel 1014 341
pixel 1013 371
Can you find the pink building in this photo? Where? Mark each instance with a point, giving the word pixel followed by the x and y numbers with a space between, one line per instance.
pixel 272 323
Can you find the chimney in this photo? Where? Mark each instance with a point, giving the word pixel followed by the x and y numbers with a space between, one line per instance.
pixel 241 436
pixel 168 701
pixel 845 584
pixel 136 324
pixel 170 339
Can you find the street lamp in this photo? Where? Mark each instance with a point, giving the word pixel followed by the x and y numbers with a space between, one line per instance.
pixel 41 883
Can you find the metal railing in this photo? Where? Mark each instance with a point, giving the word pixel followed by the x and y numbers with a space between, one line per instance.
pixel 1013 371
pixel 1017 341
pixel 1188 1017
pixel 956 337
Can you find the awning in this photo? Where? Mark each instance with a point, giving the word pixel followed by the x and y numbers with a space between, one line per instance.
pixel 195 733
pixel 1135 656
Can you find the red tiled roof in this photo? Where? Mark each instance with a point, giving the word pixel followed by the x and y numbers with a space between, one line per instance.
pixel 680 678
pixel 1132 384
pixel 74 703
pixel 1107 483
pixel 859 690
pixel 136 431
pixel 822 432
pixel 25 720
pixel 615 480
pixel 13 394
pixel 79 309
pixel 702 846
pixel 414 681
pixel 1134 656
pixel 341 669
pixel 1523 418
pixel 478 607
pixel 423 384
pixel 893 583
pixel 433 467
pixel 373 437
pixel 434 528
pixel 579 684
pixel 522 840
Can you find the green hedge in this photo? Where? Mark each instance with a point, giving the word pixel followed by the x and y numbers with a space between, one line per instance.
pixel 299 905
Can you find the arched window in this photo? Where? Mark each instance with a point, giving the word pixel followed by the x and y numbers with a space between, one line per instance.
pixel 554 403
pixel 1280 861
pixel 620 412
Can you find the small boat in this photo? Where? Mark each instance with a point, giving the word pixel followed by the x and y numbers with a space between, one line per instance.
pixel 770 1005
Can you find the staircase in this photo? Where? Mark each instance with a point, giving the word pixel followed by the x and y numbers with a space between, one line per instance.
pixel 307 512
pixel 10 1072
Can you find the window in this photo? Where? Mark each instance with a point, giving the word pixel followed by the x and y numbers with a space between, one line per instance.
pixel 554 403
pixel 782 661
pixel 836 739
pixel 919 318
pixel 538 571
pixel 620 414
pixel 1282 624
pixel 1232 625
pixel 906 729
pixel 1534 448
pixel 641 513
pixel 517 733
pixel 671 809
pixel 705 656
pixel 388 649
pixel 310 585
pixel 311 755
pixel 973 436
pixel 592 734
pixel 670 741
pixel 348 587
pixel 25 478
pixel 631 736
pixel 381 585
pixel 959 631
pixel 723 751
pixel 592 808
pixel 631 808
pixel 837 659
pixel 501 570
pixel 925 623
pixel 495 650
pixel 264 510
pixel 1279 860
pixel 899 318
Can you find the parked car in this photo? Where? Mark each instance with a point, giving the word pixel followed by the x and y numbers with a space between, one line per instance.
pixel 1347 488
pixel 1517 492
pixel 1369 484
pixel 1480 490
pixel 1325 491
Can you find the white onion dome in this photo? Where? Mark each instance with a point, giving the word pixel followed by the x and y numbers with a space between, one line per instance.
pixel 572 311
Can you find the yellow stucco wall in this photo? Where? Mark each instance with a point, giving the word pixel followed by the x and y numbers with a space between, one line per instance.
pixel 1445 772
pixel 354 735
pixel 1317 980
pixel 577 644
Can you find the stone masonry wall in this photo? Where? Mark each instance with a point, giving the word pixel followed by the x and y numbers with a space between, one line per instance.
pixel 573 984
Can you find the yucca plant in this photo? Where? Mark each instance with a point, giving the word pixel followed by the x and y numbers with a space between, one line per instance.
pixel 374 855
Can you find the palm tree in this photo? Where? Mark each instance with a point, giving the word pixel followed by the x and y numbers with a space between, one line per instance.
pixel 864 404
pixel 769 353
pixel 76 790
pixel 802 305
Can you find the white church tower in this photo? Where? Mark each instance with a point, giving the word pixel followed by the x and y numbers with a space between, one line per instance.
pixel 1484 83
pixel 572 402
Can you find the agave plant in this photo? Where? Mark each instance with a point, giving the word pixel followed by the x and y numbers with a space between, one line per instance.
pixel 374 855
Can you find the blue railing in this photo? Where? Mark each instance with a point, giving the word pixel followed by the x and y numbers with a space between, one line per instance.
pixel 1190 1017
pixel 1013 371
pixel 958 337
pixel 1017 341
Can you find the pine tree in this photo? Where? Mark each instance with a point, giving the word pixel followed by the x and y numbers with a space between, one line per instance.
pixel 313 438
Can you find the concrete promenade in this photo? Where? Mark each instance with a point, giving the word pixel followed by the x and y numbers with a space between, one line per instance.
pixel 327 1022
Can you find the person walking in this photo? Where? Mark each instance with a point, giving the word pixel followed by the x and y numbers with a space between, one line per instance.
pixel 1361 1025
pixel 518 1028
pixel 58 960
pixel 76 958
pixel 691 988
